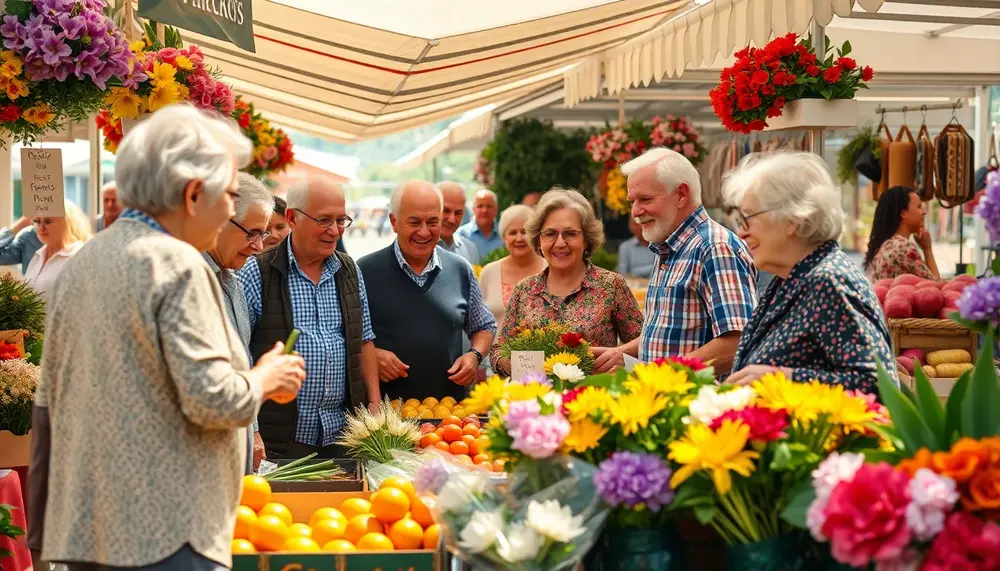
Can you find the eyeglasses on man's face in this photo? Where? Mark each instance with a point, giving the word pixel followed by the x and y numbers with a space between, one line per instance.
pixel 326 222
pixel 252 235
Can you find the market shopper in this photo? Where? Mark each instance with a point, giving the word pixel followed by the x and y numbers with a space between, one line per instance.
pixel 140 418
pixel 425 300
pixel 111 209
pixel 62 237
pixel 702 290
pixel 819 318
pixel 634 257
pixel 451 219
pixel 897 230
pixel 18 243
pixel 481 230
pixel 571 291
pixel 498 278
pixel 241 238
pixel 277 226
pixel 306 284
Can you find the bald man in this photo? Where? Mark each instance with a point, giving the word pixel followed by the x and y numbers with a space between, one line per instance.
pixel 305 283
pixel 451 218
pixel 110 207
pixel 425 300
pixel 482 229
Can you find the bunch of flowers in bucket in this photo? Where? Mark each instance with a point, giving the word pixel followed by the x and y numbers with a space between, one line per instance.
pixel 612 147
pixel 58 60
pixel 568 357
pixel 763 80
pixel 272 149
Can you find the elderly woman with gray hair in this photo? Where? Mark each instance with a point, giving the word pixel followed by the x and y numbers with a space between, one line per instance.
pixel 244 236
pixel 498 278
pixel 145 396
pixel 819 318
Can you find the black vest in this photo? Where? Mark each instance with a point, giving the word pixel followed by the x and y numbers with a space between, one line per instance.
pixel 423 326
pixel 278 422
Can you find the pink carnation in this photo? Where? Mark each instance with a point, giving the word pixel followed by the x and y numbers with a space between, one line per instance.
pixel 828 475
pixel 966 543
pixel 866 516
pixel 541 436
pixel 765 425
pixel 519 411
pixel 932 497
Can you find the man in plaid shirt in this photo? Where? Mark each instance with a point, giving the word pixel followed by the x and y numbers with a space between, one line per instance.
pixel 702 290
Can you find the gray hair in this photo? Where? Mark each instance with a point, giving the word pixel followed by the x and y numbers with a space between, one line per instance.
pixel 175 145
pixel 487 192
pixel 512 214
pixel 400 190
pixel 794 187
pixel 110 185
pixel 672 170
pixel 252 193
pixel 556 199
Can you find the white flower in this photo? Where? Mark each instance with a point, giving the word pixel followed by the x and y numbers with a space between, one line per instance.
pixel 456 494
pixel 554 521
pixel 519 543
pixel 837 468
pixel 932 497
pixel 479 534
pixel 552 399
pixel 711 404
pixel 569 373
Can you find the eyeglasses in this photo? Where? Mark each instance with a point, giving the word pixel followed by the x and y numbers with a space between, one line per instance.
pixel 567 235
pixel 744 220
pixel 252 235
pixel 326 222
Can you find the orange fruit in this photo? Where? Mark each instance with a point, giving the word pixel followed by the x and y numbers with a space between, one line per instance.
pixel 277 509
pixel 429 440
pixel 463 459
pixel 354 507
pixel 442 445
pixel 400 483
pixel 480 458
pixel 256 492
pixel 406 534
pixel 458 447
pixel 421 513
pixel 451 420
pixel 328 530
pixel 390 504
pixel 451 433
pixel 299 544
pixel 431 537
pixel 299 529
pixel 479 445
pixel 468 439
pixel 471 430
pixel 361 524
pixel 324 514
pixel 244 518
pixel 339 546
pixel 375 542
pixel 267 533
pixel 242 546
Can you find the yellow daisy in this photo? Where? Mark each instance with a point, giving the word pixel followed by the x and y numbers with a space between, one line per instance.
pixel 163 74
pixel 719 452
pixel 10 66
pixel 660 379
pixel 162 95
pixel 483 395
pixel 583 436
pixel 137 47
pixel 565 358
pixel 123 102
pixel 183 63
pixel 183 93
pixel 589 401
pixel 40 115
pixel 634 410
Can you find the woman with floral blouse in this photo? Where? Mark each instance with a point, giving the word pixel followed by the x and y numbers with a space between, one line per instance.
pixel 819 318
pixel 899 215
pixel 572 292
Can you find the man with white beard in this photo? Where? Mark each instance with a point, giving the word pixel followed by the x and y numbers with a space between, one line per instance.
pixel 702 290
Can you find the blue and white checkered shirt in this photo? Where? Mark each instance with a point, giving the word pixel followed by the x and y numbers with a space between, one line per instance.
pixel 144 218
pixel 322 343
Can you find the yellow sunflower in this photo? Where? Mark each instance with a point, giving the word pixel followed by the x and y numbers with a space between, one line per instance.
pixel 564 358
pixel 658 379
pixel 583 436
pixel 483 395
pixel 162 74
pixel 124 102
pixel 719 452
pixel 587 402
pixel 162 95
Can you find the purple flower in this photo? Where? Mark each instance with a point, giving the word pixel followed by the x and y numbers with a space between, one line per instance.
pixel 535 377
pixel 981 301
pixel 519 411
pixel 73 26
pixel 53 7
pixel 87 64
pixel 541 436
pixel 431 476
pixel 634 479
pixel 11 27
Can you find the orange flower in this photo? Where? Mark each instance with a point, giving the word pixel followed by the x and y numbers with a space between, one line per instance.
pixel 983 492
pixel 966 456
pixel 922 459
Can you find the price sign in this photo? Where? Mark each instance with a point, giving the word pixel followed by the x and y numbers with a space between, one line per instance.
pixel 524 362
pixel 42 183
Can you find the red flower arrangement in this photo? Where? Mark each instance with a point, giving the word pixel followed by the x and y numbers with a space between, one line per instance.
pixel 272 149
pixel 763 80
pixel 9 351
pixel 766 425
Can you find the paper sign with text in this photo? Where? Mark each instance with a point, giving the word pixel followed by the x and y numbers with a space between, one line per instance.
pixel 42 183
pixel 524 362
pixel 630 362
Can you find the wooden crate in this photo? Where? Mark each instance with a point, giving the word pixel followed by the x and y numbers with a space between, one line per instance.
pixel 932 335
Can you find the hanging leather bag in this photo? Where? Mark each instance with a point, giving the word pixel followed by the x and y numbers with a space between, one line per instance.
pixel 954 169
pixel 882 185
pixel 903 159
pixel 925 186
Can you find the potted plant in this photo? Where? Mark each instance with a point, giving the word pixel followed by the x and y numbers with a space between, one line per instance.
pixel 862 154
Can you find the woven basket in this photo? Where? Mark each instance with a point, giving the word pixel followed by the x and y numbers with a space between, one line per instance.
pixel 932 335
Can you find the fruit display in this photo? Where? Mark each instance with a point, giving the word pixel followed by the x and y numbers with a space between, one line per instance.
pixel 943 364
pixel 910 296
pixel 462 439
pixel 391 519
pixel 430 408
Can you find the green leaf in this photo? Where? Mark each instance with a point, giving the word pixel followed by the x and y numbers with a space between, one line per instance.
pixel 782 457
pixel 954 407
pixel 800 497
pixel 982 404
pixel 693 492
pixel 19 8
pixel 909 394
pixel 913 431
pixel 705 513
pixel 931 410
pixel 846 49
pixel 977 326
pixel 995 266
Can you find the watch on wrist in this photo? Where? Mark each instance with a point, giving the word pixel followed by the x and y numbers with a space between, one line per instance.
pixel 479 356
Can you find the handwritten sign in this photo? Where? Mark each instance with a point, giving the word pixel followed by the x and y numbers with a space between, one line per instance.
pixel 524 362
pixel 42 182
pixel 630 362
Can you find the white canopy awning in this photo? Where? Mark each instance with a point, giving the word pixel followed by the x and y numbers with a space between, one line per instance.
pixel 471 131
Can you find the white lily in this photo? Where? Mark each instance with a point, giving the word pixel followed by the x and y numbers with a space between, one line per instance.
pixel 555 521
pixel 519 543
pixel 711 404
pixel 569 373
pixel 481 532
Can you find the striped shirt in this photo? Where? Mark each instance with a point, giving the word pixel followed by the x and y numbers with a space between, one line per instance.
pixel 703 286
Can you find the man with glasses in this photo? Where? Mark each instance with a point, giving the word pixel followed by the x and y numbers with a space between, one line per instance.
pixel 306 284
pixel 702 290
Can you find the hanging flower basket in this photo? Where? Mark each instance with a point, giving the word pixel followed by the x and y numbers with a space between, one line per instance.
pixel 816 114
pixel 272 149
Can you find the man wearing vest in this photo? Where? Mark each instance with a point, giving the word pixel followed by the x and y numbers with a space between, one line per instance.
pixel 305 283
pixel 425 300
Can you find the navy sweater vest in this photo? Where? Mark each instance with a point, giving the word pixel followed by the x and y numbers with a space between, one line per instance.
pixel 423 326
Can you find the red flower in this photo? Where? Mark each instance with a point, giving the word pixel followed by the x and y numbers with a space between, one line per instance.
pixel 245 121
pixel 832 75
pixel 571 339
pixel 759 78
pixel 966 543
pixel 783 46
pixel 10 113
pixel 867 73
pixel 866 516
pixel 847 63
pixel 681 361
pixel 765 425
pixel 812 70
pixel 568 397
pixel 807 59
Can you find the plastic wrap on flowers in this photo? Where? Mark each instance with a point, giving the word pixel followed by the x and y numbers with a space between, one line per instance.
pixel 546 515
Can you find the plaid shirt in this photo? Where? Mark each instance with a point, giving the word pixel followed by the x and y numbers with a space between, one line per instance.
pixel 702 287
pixel 322 343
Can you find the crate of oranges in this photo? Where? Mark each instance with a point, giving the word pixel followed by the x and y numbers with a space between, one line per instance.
pixel 430 408
pixel 390 528
pixel 463 439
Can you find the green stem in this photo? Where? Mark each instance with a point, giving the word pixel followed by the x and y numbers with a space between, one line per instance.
pixel 293 464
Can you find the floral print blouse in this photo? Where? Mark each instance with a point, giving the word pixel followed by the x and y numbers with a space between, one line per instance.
pixel 898 255
pixel 603 310
pixel 823 322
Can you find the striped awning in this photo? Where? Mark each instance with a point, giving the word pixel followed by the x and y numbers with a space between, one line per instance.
pixel 349 81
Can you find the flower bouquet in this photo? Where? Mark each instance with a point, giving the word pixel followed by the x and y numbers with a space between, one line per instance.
pixel 272 149
pixel 18 380
pixel 60 57
pixel 568 357
pixel 763 80
pixel 372 438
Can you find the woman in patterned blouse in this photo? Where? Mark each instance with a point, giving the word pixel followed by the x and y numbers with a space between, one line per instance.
pixel 591 301
pixel 819 318
pixel 899 215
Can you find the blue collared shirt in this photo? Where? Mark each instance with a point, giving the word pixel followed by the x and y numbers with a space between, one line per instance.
pixel 322 343
pixel 463 247
pixel 18 249
pixel 635 259
pixel 484 244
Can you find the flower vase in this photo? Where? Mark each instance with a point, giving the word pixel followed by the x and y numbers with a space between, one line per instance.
pixel 635 550
pixel 794 551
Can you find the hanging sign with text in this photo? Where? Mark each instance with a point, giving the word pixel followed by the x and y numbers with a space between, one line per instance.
pixel 42 187
pixel 227 20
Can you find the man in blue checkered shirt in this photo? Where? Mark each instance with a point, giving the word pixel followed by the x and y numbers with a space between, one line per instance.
pixel 306 284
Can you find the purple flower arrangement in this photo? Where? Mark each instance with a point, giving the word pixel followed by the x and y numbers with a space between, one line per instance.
pixel 989 205
pixel 980 302
pixel 635 481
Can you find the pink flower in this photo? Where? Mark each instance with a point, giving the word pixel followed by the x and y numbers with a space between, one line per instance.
pixel 169 55
pixel 932 497
pixel 206 100
pixel 866 516
pixel 541 436
pixel 270 152
pixel 765 425
pixel 828 475
pixel 689 150
pixel 966 543
pixel 519 411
